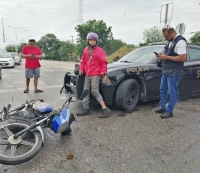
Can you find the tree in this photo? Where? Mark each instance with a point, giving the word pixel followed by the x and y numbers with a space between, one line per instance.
pixel 195 39
pixel 99 27
pixel 11 48
pixel 66 50
pixel 19 49
pixel 114 45
pixel 50 46
pixel 153 34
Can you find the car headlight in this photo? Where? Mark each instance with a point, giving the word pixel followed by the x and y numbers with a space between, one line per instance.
pixel 10 59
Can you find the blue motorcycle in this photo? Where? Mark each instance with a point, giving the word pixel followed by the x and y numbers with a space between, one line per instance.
pixel 21 131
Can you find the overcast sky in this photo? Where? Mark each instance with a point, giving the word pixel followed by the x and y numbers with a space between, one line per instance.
pixel 128 18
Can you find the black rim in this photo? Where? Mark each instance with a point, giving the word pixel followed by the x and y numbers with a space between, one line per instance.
pixel 131 95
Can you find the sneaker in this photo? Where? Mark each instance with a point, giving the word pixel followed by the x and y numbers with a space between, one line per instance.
pixel 84 112
pixel 105 113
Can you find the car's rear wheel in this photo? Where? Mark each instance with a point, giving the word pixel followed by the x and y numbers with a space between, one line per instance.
pixel 127 95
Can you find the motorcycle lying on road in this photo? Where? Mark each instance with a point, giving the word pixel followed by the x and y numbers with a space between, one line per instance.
pixel 21 132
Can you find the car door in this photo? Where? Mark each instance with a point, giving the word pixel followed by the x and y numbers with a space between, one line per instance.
pixel 194 56
pixel 184 90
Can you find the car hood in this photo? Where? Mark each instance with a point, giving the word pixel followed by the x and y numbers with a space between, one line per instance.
pixel 124 65
pixel 4 59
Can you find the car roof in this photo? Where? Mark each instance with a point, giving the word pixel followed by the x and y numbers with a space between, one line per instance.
pixel 188 45
pixel 193 46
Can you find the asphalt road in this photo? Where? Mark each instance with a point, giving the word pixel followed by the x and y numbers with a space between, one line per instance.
pixel 139 142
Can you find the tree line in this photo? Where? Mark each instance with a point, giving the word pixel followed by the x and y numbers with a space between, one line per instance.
pixel 55 49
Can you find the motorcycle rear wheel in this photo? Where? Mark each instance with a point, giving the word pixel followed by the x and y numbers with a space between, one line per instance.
pixel 23 148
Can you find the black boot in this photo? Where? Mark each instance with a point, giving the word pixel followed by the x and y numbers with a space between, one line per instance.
pixel 167 115
pixel 160 111
pixel 84 112
pixel 105 113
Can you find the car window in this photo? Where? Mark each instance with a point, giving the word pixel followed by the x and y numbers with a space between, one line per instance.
pixel 143 55
pixel 194 54
pixel 2 52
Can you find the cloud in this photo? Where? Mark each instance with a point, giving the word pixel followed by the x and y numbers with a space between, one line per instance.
pixel 128 18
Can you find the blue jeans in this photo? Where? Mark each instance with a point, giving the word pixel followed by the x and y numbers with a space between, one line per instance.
pixel 169 86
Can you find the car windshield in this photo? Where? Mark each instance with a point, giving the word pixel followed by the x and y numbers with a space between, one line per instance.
pixel 14 53
pixel 5 55
pixel 143 55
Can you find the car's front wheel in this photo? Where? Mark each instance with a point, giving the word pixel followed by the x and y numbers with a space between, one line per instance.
pixel 127 95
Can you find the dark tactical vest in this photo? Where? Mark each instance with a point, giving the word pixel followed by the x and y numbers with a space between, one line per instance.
pixel 172 68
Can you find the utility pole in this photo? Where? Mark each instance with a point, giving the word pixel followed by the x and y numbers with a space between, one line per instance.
pixel 72 38
pixel 81 11
pixel 3 31
pixel 15 30
pixel 72 45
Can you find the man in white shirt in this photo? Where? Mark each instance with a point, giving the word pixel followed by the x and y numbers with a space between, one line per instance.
pixel 172 70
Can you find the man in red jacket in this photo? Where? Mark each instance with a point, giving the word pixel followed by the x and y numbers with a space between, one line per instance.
pixel 94 65
pixel 32 54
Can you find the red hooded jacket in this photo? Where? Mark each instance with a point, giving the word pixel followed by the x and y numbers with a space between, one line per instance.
pixel 96 65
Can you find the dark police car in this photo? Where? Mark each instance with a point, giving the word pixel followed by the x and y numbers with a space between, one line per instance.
pixel 136 76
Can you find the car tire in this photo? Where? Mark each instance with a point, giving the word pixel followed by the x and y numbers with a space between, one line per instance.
pixel 127 95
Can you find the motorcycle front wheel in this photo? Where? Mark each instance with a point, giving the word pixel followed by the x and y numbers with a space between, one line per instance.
pixel 18 150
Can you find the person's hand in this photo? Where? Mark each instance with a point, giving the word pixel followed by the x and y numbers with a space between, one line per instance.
pixel 102 75
pixel 162 56
pixel 80 72
pixel 29 55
